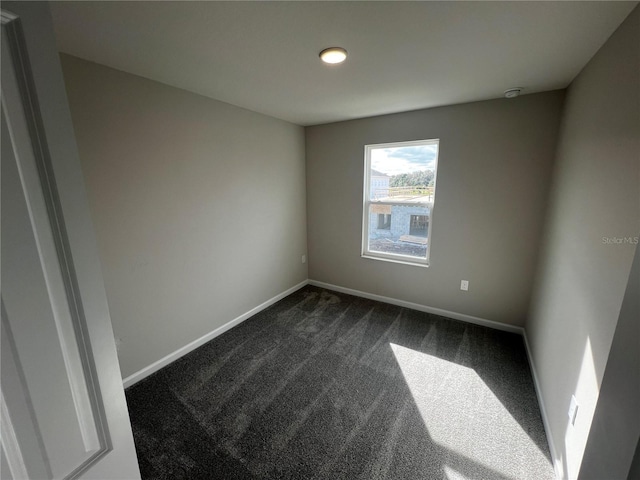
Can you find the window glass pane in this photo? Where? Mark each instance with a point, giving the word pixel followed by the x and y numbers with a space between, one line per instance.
pixel 404 234
pixel 404 173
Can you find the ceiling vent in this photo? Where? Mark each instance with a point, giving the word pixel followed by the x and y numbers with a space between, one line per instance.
pixel 512 92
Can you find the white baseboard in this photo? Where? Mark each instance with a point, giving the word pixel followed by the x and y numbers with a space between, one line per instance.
pixel 422 308
pixel 163 362
pixel 543 411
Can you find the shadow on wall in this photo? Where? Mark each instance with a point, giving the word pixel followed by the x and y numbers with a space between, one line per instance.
pixel 615 428
pixel 582 361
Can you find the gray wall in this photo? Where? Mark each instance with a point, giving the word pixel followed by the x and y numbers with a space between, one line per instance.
pixel 616 423
pixel 582 276
pixel 493 173
pixel 199 206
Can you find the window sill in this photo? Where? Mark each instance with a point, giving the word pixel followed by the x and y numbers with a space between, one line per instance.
pixel 396 259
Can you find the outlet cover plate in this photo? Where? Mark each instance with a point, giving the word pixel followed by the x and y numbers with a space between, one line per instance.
pixel 573 410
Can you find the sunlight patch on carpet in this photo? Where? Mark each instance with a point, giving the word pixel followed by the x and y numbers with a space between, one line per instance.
pixel 463 415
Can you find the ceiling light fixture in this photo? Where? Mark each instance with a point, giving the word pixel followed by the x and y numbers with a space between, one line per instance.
pixel 512 92
pixel 333 55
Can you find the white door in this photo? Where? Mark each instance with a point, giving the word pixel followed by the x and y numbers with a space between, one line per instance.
pixel 63 410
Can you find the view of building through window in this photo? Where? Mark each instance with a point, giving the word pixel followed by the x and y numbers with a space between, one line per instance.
pixel 399 195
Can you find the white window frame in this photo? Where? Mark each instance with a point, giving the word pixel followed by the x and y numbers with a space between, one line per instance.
pixel 367 202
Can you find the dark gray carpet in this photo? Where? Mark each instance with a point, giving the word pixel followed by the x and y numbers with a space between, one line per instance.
pixel 324 385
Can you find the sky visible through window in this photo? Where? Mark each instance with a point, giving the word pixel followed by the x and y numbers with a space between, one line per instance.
pixel 407 159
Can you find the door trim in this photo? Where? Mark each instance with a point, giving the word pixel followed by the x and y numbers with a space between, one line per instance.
pixel 10 443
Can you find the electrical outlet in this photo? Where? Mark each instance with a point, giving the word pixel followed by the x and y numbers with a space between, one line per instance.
pixel 304 259
pixel 573 410
pixel 464 285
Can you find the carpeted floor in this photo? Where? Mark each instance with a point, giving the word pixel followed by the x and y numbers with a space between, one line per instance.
pixel 324 385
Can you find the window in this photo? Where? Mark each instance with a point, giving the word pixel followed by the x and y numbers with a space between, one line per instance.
pixel 399 195
pixel 419 224
pixel 384 221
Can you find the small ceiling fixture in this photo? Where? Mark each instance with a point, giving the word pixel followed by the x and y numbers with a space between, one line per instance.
pixel 512 92
pixel 333 55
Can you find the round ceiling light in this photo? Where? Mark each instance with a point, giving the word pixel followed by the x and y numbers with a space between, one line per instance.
pixel 333 55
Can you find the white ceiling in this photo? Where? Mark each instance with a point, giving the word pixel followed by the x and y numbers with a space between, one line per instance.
pixel 263 56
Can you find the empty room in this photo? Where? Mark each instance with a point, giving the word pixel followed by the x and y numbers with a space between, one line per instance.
pixel 320 240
